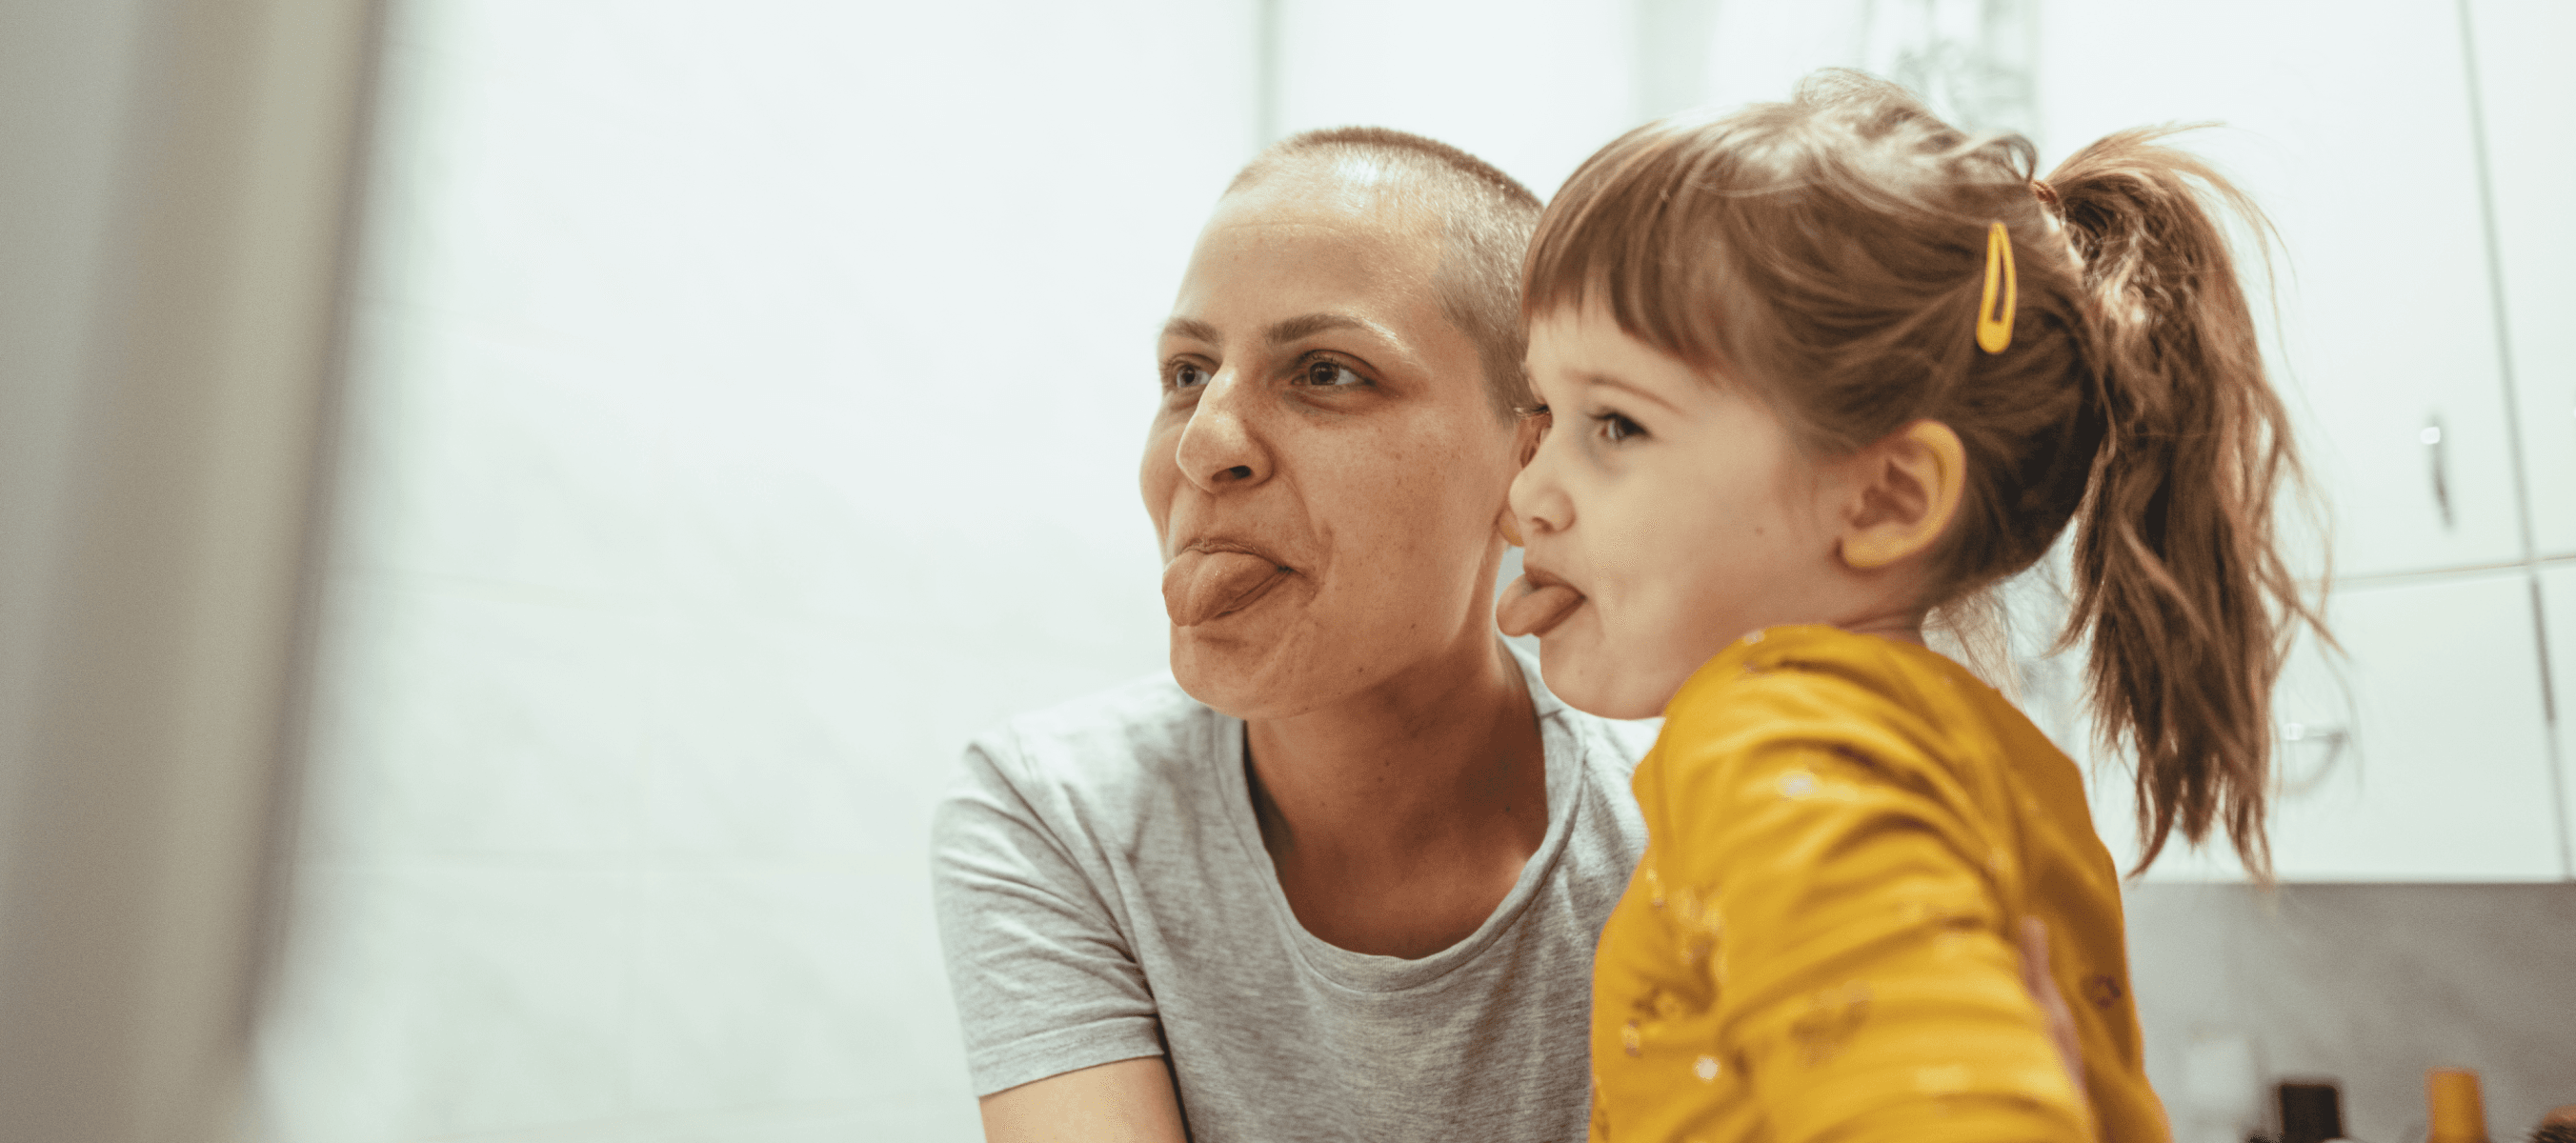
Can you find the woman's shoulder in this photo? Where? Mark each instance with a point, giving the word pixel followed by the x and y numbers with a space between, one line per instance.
pixel 1139 742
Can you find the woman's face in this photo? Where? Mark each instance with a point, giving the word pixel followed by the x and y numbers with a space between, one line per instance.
pixel 1325 471
pixel 1666 517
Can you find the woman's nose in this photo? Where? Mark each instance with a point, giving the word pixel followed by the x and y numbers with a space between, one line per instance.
pixel 1219 448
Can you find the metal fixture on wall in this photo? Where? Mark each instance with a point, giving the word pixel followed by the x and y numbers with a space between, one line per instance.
pixel 1972 60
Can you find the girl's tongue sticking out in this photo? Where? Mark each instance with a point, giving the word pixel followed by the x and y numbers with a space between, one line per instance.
pixel 1533 606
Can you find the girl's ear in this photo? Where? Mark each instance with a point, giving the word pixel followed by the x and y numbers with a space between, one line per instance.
pixel 1903 492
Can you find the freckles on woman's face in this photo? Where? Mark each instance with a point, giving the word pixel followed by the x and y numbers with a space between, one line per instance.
pixel 1666 516
pixel 1324 470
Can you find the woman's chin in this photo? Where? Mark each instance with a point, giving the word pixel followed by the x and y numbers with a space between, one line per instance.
pixel 1247 679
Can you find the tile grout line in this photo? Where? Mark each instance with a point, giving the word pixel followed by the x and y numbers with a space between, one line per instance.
pixel 2513 431
pixel 2440 574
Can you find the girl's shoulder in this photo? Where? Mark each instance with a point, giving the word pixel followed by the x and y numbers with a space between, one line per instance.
pixel 1816 665
pixel 1785 692
pixel 1814 726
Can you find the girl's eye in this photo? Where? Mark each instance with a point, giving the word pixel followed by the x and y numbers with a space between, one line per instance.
pixel 1616 428
pixel 1182 375
pixel 1324 374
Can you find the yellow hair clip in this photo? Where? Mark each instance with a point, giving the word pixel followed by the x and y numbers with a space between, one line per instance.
pixel 1994 328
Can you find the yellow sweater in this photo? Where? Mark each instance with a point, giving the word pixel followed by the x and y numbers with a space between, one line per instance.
pixel 1844 833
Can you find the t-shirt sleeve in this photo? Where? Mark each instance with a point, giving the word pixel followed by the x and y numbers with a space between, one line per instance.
pixel 1044 980
pixel 1864 979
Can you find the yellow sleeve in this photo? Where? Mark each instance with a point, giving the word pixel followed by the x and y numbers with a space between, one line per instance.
pixel 1861 974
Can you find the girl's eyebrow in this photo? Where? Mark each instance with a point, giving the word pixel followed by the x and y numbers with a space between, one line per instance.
pixel 1609 382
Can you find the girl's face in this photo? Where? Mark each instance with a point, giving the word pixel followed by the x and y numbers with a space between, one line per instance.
pixel 1665 517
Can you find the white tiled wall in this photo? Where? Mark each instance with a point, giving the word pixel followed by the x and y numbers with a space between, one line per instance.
pixel 2363 985
pixel 747 406
pixel 1531 86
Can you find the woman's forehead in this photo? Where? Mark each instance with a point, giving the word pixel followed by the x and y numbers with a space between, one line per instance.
pixel 1266 254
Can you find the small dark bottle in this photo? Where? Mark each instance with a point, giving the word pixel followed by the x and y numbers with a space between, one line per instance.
pixel 2311 1112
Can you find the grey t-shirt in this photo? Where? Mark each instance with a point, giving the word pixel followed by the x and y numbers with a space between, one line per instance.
pixel 1103 894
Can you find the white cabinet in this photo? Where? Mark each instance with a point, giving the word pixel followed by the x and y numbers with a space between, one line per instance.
pixel 2425 754
pixel 2526 92
pixel 2353 133
pixel 2558 606
pixel 2423 757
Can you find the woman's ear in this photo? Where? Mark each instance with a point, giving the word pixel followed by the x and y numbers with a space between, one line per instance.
pixel 1526 435
pixel 1904 490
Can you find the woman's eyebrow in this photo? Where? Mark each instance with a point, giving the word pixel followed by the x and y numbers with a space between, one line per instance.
pixel 1308 325
pixel 1288 330
pixel 1193 329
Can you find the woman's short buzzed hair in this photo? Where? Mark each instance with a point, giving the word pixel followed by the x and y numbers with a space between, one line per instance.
pixel 1486 220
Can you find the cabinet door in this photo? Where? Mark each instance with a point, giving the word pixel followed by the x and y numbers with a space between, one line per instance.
pixel 2527 96
pixel 2352 132
pixel 2422 757
pixel 2558 611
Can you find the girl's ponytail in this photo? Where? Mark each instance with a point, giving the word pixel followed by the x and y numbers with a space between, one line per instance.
pixel 2177 576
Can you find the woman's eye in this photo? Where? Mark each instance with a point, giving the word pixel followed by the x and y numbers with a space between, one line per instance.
pixel 1331 375
pixel 1182 375
pixel 1616 428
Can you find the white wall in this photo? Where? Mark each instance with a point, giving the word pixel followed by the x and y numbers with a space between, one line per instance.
pixel 748 405
pixel 1531 86
pixel 747 410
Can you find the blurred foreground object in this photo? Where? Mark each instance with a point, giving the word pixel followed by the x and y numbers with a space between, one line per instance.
pixel 175 183
pixel 2457 1111
pixel 2559 1126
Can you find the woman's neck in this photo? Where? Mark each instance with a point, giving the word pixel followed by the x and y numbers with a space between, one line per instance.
pixel 1418 745
pixel 1397 819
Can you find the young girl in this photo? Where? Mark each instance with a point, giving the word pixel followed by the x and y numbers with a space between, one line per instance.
pixel 1818 370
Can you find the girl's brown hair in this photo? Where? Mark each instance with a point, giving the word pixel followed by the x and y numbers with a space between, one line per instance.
pixel 1827 255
